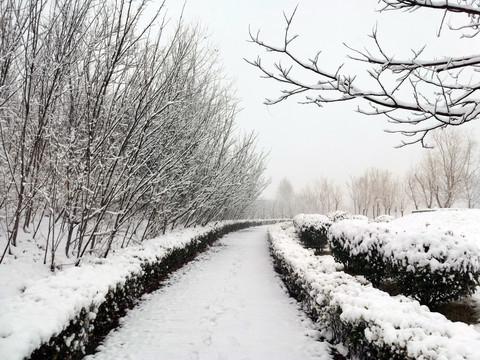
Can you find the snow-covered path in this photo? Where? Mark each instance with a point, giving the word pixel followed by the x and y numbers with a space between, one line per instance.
pixel 227 304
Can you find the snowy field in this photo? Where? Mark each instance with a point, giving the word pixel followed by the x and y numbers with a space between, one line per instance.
pixel 228 304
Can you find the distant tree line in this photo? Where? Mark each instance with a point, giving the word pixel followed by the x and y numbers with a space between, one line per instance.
pixel 113 127
pixel 445 176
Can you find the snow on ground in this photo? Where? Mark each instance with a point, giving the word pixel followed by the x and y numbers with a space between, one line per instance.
pixel 229 304
pixel 25 267
pixel 37 303
pixel 19 271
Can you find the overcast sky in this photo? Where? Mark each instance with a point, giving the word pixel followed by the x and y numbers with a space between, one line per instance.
pixel 306 142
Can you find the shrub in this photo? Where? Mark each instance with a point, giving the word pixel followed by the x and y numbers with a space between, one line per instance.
pixel 357 245
pixel 338 215
pixel 433 265
pixel 358 217
pixel 427 263
pixel 384 218
pixel 312 230
pixel 368 322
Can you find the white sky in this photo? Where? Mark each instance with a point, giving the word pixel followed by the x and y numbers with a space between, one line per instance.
pixel 306 142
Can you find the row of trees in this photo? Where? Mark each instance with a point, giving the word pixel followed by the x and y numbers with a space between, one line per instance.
pixel 321 196
pixel 110 130
pixel 446 175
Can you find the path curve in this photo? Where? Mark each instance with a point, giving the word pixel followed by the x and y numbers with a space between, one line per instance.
pixel 227 304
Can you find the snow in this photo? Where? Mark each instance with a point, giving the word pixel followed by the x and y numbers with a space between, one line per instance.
pixel 464 222
pixel 315 221
pixel 338 215
pixel 229 304
pixel 440 243
pixel 384 218
pixel 461 222
pixel 360 236
pixel 390 321
pixel 35 309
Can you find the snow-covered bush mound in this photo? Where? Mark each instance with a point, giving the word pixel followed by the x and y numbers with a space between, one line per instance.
pixel 433 265
pixel 358 245
pixel 384 218
pixel 427 262
pixel 312 230
pixel 461 221
pixel 338 215
pixel 358 217
pixel 372 324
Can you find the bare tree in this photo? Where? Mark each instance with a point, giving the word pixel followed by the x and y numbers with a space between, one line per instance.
pixel 412 188
pixel 455 151
pixel 471 182
pixel 286 198
pixel 353 193
pixel 308 201
pixel 337 196
pixel 388 191
pixel 321 196
pixel 402 195
pixel 359 192
pixel 375 188
pixel 447 173
pixel 425 177
pixel 323 192
pixel 420 93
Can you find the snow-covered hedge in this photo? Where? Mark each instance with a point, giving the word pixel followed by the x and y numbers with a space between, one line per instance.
pixel 429 263
pixel 433 265
pixel 63 316
pixel 358 245
pixel 372 324
pixel 338 215
pixel 312 230
pixel 384 218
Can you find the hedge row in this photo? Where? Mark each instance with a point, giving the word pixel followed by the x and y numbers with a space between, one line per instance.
pixel 427 263
pixel 370 323
pixel 84 333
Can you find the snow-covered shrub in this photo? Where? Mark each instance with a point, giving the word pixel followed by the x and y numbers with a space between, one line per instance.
pixel 357 245
pixel 338 215
pixel 312 230
pixel 372 324
pixel 384 218
pixel 425 262
pixel 358 217
pixel 431 264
